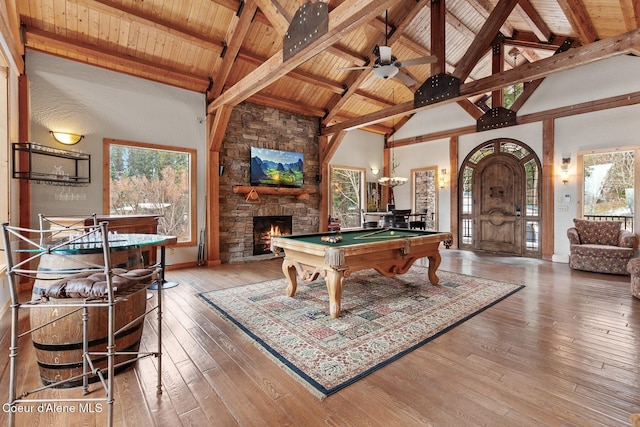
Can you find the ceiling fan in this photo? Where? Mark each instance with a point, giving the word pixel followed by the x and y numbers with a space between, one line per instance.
pixel 387 65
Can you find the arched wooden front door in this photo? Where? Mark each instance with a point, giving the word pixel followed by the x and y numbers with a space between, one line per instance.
pixel 499 199
pixel 498 185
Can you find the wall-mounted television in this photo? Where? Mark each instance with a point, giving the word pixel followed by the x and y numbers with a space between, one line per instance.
pixel 276 168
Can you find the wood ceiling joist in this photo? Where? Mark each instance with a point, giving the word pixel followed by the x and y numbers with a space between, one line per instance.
pixel 630 13
pixel 356 78
pixel 572 110
pixel 215 46
pixel 237 32
pixel 218 122
pixel 286 105
pixel 344 18
pixel 534 20
pixel 9 27
pixel 275 14
pixel 114 61
pixel 313 79
pixel 438 19
pixel 578 17
pixel 530 41
pixel 602 49
pixel 485 8
pixel 485 37
pixel 129 14
pixel 529 89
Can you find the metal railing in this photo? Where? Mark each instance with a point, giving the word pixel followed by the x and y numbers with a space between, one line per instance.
pixel 627 221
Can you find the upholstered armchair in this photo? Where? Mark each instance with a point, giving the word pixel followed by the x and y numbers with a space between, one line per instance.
pixel 600 246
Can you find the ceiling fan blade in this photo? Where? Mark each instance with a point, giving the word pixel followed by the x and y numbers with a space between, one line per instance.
pixel 406 79
pixel 385 54
pixel 417 61
pixel 355 68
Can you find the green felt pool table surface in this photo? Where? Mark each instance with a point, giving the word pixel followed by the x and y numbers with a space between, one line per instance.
pixel 356 237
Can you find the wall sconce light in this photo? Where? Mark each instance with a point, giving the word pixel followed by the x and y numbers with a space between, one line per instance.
pixel 564 170
pixel 442 178
pixel 375 171
pixel 66 137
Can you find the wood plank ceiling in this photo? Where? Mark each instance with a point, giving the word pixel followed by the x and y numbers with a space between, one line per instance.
pixel 231 50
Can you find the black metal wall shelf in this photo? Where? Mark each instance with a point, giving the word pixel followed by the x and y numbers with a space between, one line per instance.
pixel 35 162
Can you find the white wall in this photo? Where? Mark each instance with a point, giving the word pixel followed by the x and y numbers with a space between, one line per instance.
pixel 363 150
pixel 98 103
pixel 610 128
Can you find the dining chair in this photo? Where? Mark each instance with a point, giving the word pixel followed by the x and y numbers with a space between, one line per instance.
pixel 401 218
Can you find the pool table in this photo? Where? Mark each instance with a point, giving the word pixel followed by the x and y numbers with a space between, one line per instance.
pixel 335 255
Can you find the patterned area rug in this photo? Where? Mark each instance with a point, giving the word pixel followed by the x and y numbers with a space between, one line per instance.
pixel 381 320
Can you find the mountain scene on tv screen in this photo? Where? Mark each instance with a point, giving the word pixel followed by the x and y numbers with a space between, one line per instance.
pixel 276 168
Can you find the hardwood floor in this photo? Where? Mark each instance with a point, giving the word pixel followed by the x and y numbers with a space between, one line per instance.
pixel 564 351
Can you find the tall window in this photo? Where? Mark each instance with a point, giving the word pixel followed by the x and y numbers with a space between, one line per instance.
pixel 152 179
pixel 608 183
pixel 347 195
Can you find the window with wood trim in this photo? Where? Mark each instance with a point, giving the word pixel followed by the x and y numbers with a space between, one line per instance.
pixel 608 181
pixel 347 195
pixel 142 178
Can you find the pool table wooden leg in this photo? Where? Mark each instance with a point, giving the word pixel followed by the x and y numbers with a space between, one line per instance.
pixel 290 272
pixel 434 263
pixel 334 281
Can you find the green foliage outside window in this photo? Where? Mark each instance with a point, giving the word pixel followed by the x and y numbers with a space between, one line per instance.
pixel 346 196
pixel 152 181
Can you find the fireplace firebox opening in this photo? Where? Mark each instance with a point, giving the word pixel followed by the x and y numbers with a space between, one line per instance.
pixel 264 227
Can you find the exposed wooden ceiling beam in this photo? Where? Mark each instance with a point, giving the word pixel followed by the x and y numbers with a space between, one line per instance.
pixel 236 35
pixel 572 110
pixel 578 17
pixel 218 122
pixel 485 8
pixel 276 15
pixel 602 49
pixel 10 30
pixel 534 20
pixel 356 78
pixel 529 89
pixel 438 19
pixel 530 40
pixel 135 15
pixel 49 43
pixel 630 13
pixel 347 16
pixel 483 40
pixel 286 105
pixel 129 14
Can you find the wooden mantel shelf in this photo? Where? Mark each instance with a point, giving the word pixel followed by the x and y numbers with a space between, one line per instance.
pixel 253 192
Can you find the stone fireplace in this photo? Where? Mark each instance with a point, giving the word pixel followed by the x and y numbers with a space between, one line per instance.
pixel 258 126
pixel 265 227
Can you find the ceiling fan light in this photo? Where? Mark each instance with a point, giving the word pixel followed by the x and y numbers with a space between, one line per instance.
pixel 386 71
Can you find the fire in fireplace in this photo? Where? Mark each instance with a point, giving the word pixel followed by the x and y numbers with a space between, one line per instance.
pixel 264 227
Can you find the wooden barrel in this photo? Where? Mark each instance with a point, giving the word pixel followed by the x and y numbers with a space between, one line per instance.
pixel 59 344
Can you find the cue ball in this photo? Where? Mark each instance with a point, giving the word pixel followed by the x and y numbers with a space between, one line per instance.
pixel 392 233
